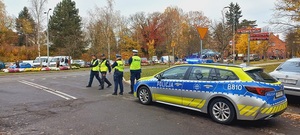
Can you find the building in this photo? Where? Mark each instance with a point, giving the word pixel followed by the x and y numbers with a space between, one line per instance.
pixel 277 47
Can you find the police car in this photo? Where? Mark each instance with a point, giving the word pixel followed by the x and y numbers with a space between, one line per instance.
pixel 225 92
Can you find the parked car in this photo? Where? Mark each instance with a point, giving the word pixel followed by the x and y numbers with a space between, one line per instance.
pixel 144 61
pixel 22 65
pixel 43 59
pixel 225 92
pixel 81 63
pixel 289 75
pixel 63 60
pixel 253 57
pixel 2 65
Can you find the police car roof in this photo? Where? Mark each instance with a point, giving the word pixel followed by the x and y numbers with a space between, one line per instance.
pixel 245 68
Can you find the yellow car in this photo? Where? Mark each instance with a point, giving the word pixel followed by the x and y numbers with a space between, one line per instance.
pixel 225 92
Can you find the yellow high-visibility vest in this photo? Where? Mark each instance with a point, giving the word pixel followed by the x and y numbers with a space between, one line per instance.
pixel 136 63
pixel 120 65
pixel 103 67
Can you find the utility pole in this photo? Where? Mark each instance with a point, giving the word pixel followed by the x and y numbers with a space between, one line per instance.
pixel 48 35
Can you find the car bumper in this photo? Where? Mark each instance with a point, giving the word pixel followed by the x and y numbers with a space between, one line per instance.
pixel 292 90
pixel 264 112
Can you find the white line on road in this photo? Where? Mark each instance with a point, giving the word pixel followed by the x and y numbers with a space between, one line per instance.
pixel 52 91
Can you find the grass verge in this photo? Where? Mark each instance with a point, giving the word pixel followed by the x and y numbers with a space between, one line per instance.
pixel 146 72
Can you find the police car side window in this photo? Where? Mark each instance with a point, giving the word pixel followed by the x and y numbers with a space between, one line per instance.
pixel 199 73
pixel 175 73
pixel 226 75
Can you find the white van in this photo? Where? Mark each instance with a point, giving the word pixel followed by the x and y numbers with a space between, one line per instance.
pixel 43 59
pixel 63 60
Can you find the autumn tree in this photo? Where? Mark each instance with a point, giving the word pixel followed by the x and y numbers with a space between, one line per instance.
pixel 243 42
pixel 103 29
pixel 37 10
pixel 197 19
pixel 292 44
pixel 287 15
pixel 65 30
pixel 221 36
pixel 25 27
pixel 7 36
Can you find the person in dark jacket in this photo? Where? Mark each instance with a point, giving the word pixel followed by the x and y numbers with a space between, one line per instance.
pixel 118 74
pixel 94 71
pixel 104 68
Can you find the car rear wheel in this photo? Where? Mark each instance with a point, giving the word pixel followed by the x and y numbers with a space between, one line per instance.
pixel 222 111
pixel 144 95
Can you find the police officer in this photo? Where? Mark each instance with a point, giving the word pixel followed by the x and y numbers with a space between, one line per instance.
pixel 94 70
pixel 104 67
pixel 135 69
pixel 118 74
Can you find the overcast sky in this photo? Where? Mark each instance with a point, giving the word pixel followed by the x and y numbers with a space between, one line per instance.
pixel 260 10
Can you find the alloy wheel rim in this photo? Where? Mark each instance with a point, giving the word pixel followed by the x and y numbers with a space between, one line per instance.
pixel 144 95
pixel 221 111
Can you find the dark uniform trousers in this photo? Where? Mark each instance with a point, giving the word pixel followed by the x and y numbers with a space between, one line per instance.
pixel 118 79
pixel 104 79
pixel 134 75
pixel 92 75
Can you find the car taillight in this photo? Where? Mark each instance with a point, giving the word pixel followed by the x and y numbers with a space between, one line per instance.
pixel 259 90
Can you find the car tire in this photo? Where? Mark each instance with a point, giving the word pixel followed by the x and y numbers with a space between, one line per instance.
pixel 222 111
pixel 144 95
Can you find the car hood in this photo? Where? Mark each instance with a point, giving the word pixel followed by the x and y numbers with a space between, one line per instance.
pixel 146 78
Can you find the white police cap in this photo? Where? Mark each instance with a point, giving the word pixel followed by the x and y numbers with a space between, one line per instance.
pixel 135 51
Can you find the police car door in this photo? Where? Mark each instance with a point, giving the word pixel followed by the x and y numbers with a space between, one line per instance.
pixel 198 87
pixel 170 84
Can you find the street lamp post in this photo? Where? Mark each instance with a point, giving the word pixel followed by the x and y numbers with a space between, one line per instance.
pixel 48 35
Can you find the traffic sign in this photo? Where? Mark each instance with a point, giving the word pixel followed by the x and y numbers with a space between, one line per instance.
pixel 259 36
pixel 173 44
pixel 202 31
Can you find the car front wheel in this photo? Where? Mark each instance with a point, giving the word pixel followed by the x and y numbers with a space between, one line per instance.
pixel 144 95
pixel 222 111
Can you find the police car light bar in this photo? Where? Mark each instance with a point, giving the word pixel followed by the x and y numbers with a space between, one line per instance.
pixel 198 61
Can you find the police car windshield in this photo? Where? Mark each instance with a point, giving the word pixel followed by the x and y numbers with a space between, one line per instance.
pixel 261 76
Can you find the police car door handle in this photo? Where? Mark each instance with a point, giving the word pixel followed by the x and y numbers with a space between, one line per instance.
pixel 207 86
pixel 178 84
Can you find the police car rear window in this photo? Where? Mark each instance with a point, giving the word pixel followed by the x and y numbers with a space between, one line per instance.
pixel 261 76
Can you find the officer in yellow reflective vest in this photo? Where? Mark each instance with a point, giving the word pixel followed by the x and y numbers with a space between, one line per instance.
pixel 135 69
pixel 118 74
pixel 104 68
pixel 94 70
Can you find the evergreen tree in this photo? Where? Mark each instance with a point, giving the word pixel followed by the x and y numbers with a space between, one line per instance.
pixel 248 23
pixel 25 27
pixel 233 15
pixel 65 30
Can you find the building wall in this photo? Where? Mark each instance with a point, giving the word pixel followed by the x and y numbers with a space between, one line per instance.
pixel 277 47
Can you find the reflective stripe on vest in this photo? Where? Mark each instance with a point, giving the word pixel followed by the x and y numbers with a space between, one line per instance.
pixel 120 66
pixel 103 67
pixel 96 68
pixel 136 63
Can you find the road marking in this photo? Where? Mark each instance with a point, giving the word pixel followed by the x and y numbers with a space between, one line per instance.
pixel 52 91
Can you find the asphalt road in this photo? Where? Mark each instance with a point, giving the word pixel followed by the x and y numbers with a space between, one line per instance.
pixel 60 104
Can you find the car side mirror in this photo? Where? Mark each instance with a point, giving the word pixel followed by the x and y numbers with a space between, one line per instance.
pixel 159 77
